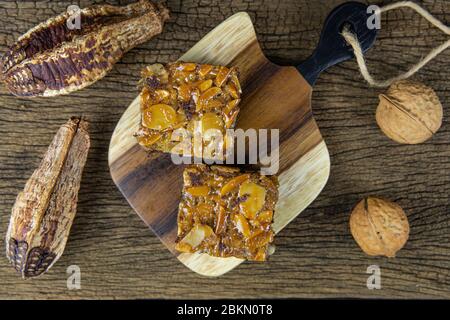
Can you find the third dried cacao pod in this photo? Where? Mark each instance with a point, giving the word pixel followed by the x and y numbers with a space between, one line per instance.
pixel 54 58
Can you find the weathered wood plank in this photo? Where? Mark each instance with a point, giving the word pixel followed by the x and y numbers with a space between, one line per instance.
pixel 316 255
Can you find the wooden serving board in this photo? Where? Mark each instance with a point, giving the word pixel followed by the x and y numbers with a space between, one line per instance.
pixel 274 97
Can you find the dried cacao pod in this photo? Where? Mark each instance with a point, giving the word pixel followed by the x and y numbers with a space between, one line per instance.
pixel 44 211
pixel 52 59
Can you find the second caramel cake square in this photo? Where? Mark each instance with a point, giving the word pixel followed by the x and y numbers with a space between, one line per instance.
pixel 226 213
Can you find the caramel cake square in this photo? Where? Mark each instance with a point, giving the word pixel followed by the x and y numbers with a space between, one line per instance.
pixel 226 213
pixel 196 97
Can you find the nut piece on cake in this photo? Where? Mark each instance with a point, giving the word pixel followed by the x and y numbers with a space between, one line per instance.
pixel 194 97
pixel 226 213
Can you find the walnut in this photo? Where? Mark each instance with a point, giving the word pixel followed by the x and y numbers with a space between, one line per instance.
pixel 380 227
pixel 409 113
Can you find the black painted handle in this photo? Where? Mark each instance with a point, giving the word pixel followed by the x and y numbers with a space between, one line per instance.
pixel 332 48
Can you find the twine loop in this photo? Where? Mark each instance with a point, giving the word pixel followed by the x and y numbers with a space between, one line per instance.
pixel 352 40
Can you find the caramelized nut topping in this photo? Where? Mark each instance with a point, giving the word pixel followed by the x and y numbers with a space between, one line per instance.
pixel 159 117
pixel 256 197
pixel 233 183
pixel 186 95
pixel 196 236
pixel 201 191
pixel 236 207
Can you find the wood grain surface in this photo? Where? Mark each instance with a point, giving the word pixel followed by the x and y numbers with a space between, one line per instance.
pixel 316 254
pixel 304 162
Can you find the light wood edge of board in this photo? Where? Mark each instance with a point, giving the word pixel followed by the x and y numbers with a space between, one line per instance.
pixel 207 50
pixel 122 138
pixel 299 186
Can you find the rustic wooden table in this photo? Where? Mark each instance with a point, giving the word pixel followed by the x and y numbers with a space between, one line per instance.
pixel 316 256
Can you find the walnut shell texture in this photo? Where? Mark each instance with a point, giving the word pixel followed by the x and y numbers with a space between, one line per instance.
pixel 52 59
pixel 380 227
pixel 410 112
pixel 44 211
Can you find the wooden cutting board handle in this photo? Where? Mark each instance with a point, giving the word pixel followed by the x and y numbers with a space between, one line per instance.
pixel 332 48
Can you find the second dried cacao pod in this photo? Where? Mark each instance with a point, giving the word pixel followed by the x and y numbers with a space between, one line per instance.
pixel 53 59
pixel 43 213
